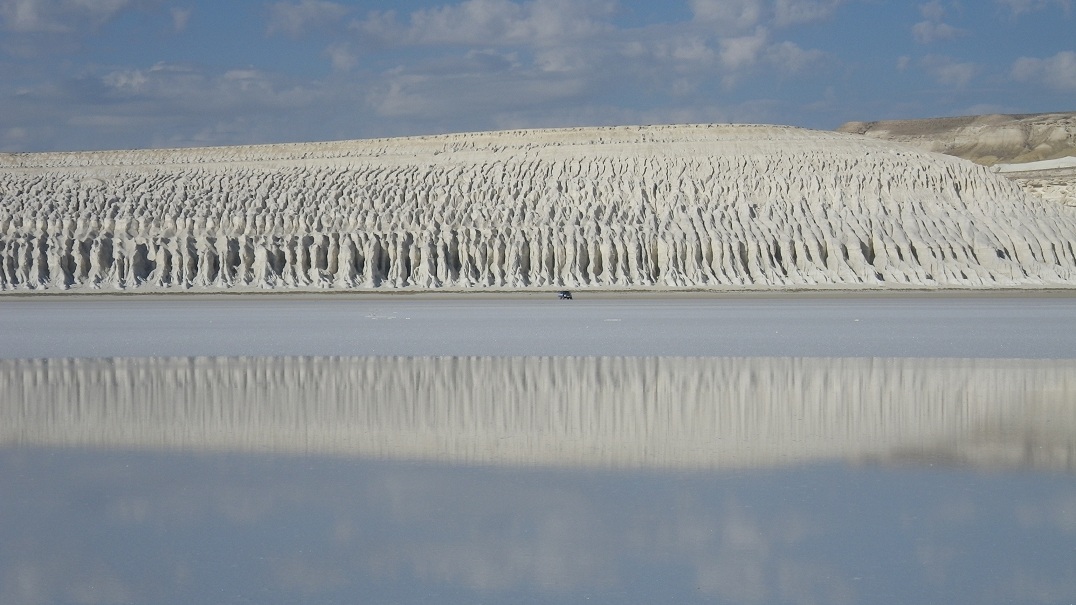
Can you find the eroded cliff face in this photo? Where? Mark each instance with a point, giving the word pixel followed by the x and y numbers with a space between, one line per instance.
pixel 666 206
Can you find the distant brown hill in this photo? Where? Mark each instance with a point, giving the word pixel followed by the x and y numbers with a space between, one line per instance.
pixel 985 139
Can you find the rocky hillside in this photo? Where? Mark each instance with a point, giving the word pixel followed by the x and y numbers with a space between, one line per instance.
pixel 1038 151
pixel 987 139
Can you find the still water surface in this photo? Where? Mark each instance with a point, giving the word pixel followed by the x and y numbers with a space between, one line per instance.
pixel 857 475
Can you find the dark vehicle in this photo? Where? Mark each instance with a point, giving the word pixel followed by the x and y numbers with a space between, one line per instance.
pixel 565 295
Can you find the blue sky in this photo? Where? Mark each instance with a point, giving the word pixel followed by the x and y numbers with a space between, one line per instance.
pixel 107 74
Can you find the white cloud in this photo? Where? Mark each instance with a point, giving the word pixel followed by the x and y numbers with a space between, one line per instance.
pixel 737 16
pixel 58 16
pixel 564 59
pixel 473 22
pixel 728 15
pixel 950 72
pixel 932 28
pixel 127 81
pixel 1058 71
pixel 928 32
pixel 177 105
pixel 685 48
pixel 247 81
pixel 578 38
pixel 794 12
pixel 790 58
pixel 180 18
pixel 933 11
pixel 296 19
pixel 451 65
pixel 437 96
pixel 342 56
pixel 180 88
pixel 521 62
pixel 744 51
pixel 1018 7
pixel 492 22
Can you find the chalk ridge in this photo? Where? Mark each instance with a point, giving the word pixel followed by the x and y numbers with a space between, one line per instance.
pixel 689 206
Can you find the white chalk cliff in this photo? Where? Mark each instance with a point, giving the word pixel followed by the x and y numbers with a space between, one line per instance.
pixel 661 206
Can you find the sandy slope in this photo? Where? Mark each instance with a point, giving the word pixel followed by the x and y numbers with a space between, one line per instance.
pixel 662 206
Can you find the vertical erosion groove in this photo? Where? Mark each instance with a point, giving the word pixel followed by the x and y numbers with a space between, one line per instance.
pixel 657 206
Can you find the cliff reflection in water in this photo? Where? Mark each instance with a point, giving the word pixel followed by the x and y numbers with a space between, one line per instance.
pixel 557 411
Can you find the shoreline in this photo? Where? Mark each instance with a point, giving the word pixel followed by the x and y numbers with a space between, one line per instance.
pixel 686 325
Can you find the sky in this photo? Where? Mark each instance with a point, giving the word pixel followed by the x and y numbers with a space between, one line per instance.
pixel 130 74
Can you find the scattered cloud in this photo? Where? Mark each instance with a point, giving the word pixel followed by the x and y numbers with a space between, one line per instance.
pixel 790 58
pixel 490 22
pixel 58 16
pixel 928 32
pixel 343 56
pixel 567 59
pixel 166 104
pixel 476 64
pixel 685 49
pixel 728 15
pixel 468 65
pixel 949 72
pixel 15 135
pixel 528 62
pixel 933 11
pixel 738 16
pixel 1017 7
pixel 933 28
pixel 794 12
pixel 1058 71
pixel 180 18
pixel 743 51
pixel 295 19
pixel 434 96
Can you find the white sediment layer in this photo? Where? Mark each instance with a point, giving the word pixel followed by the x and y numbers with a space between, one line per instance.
pixel 1055 164
pixel 562 411
pixel 663 206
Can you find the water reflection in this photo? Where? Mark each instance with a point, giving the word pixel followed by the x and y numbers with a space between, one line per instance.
pixel 537 480
pixel 561 411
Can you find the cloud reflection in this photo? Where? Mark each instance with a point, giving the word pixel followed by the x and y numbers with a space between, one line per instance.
pixel 332 529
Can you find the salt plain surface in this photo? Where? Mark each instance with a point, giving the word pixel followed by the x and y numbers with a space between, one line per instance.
pixel 974 326
pixel 1055 164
